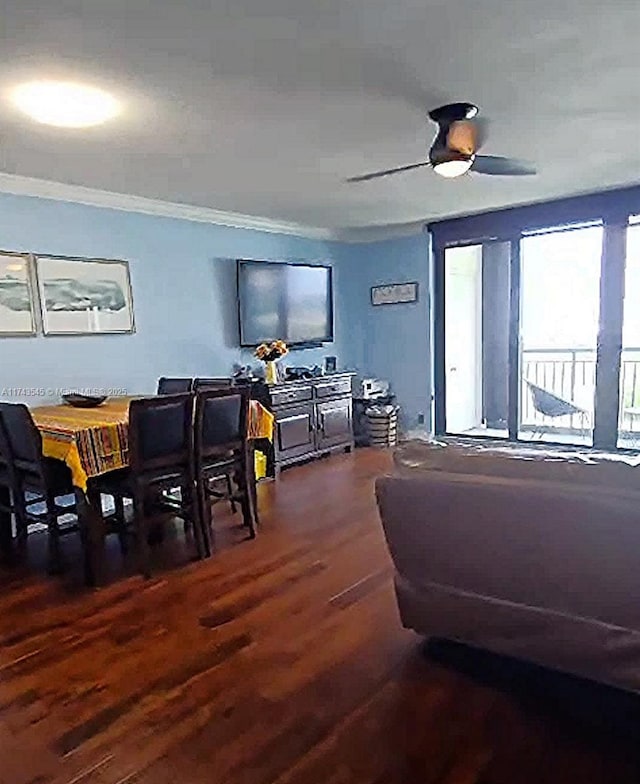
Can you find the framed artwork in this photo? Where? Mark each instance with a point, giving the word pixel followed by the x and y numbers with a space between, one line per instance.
pixel 17 303
pixel 394 293
pixel 84 296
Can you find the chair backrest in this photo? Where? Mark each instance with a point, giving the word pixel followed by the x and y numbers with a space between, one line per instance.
pixel 6 459
pixel 5 451
pixel 7 475
pixel 23 441
pixel 160 432
pixel 174 386
pixel 221 382
pixel 221 420
pixel 550 405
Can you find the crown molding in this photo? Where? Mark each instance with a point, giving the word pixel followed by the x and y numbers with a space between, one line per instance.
pixel 18 185
pixel 361 234
pixel 79 194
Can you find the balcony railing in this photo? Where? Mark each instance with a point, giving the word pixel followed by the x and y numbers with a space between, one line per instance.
pixel 570 374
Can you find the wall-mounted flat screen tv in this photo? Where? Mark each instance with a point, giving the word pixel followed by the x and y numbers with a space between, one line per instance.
pixel 291 302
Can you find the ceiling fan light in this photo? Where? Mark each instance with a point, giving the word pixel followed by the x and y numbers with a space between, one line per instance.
pixel 454 167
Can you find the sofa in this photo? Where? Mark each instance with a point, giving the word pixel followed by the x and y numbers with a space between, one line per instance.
pixel 529 553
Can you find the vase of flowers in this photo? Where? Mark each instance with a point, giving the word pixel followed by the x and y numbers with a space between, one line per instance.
pixel 270 353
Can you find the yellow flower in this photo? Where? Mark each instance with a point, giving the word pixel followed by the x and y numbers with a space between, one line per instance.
pixel 280 346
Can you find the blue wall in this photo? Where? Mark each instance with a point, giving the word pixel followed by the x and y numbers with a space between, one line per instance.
pixel 183 276
pixel 184 289
pixel 391 341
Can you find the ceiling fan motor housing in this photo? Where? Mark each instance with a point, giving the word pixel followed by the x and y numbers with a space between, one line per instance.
pixel 456 137
pixel 452 112
pixel 453 143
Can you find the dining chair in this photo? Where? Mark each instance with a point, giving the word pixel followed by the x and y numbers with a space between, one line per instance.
pixel 221 450
pixel 174 386
pixel 160 459
pixel 9 484
pixel 41 487
pixel 220 382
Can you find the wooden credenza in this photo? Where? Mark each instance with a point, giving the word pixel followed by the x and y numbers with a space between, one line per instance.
pixel 313 417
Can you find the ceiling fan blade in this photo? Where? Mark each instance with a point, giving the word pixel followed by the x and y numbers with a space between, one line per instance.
pixel 386 172
pixel 507 167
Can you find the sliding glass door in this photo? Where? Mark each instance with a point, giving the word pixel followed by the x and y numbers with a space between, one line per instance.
pixel 559 325
pixel 629 404
pixel 537 325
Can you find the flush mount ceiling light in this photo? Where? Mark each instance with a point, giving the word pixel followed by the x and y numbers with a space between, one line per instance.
pixel 65 104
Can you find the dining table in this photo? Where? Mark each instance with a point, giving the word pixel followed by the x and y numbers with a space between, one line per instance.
pixel 92 442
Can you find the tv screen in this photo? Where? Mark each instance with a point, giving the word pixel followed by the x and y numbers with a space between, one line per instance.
pixel 291 302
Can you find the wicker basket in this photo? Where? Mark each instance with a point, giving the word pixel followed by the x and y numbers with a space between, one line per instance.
pixel 383 426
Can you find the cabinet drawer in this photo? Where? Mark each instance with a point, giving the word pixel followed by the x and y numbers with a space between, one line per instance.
pixel 297 394
pixel 339 386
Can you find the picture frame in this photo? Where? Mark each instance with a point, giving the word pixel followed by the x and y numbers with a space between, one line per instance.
pixel 330 364
pixel 394 293
pixel 84 296
pixel 18 304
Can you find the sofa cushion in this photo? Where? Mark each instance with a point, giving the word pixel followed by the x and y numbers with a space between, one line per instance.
pixel 600 469
pixel 564 548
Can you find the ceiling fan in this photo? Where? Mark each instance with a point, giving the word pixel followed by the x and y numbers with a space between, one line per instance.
pixel 454 150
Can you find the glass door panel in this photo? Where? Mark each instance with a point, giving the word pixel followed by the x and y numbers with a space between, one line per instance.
pixel 559 321
pixel 477 339
pixel 629 412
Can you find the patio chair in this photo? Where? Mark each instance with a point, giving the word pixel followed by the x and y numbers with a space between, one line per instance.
pixel 550 405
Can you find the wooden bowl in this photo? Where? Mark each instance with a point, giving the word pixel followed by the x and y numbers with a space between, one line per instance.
pixel 83 401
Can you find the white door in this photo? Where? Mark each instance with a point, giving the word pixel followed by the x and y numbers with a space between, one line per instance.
pixel 463 338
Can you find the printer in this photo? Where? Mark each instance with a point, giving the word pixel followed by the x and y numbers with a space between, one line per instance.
pixel 372 388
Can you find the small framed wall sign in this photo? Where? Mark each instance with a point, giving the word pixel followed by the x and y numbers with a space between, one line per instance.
pixel 394 293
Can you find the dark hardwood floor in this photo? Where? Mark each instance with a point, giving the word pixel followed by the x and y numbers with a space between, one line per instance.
pixel 279 660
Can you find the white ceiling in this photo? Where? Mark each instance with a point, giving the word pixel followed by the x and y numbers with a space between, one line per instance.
pixel 264 107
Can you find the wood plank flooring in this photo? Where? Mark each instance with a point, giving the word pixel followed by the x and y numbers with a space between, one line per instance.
pixel 278 661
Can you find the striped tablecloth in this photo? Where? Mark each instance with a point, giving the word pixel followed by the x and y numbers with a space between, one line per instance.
pixel 93 441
